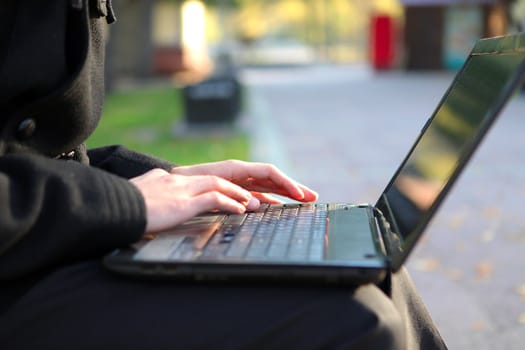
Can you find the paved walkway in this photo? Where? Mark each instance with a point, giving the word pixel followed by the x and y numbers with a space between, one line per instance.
pixel 343 131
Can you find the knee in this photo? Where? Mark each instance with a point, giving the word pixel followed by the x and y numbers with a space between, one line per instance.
pixel 387 333
pixel 384 327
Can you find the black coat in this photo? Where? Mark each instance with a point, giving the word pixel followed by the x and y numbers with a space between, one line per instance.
pixel 58 202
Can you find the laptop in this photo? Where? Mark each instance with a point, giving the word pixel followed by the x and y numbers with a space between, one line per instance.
pixel 344 243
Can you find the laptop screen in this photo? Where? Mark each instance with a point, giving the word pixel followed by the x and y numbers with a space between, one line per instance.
pixel 491 73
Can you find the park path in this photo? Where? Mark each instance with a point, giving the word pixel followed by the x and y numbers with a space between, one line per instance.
pixel 343 130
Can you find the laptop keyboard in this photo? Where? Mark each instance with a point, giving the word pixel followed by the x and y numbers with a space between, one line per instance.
pixel 274 232
pixel 289 232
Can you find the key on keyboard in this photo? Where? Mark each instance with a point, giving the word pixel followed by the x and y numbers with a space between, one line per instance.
pixel 289 232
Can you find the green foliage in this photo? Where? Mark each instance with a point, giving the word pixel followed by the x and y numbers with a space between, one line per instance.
pixel 144 120
pixel 235 3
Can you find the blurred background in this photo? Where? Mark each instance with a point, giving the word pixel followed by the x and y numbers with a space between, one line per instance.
pixel 163 37
pixel 162 44
pixel 303 84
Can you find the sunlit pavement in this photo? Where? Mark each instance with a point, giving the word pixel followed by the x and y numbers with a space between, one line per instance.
pixel 343 131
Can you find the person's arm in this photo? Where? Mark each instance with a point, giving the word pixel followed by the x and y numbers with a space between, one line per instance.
pixel 57 211
pixel 124 162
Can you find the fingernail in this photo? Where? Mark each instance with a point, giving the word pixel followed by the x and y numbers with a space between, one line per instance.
pixel 253 204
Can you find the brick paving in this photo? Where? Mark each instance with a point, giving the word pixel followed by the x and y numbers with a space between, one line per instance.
pixel 343 130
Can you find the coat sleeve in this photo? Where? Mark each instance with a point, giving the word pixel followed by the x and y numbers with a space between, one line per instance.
pixel 124 162
pixel 55 211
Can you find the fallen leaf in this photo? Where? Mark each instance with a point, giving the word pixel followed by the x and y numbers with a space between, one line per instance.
pixel 455 274
pixel 427 265
pixel 488 236
pixel 149 236
pixel 516 236
pixel 457 222
pixel 460 247
pixel 491 212
pixel 521 318
pixel 484 270
pixel 520 289
pixel 478 326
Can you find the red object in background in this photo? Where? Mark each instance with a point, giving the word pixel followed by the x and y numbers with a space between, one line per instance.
pixel 168 60
pixel 382 42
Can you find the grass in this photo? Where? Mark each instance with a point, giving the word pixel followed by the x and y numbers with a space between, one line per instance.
pixel 144 120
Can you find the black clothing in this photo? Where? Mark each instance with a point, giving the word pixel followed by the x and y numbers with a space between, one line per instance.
pixel 52 78
pixel 62 208
pixel 82 306
pixel 49 104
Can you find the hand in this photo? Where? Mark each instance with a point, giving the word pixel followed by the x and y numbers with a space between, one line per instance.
pixel 172 199
pixel 259 178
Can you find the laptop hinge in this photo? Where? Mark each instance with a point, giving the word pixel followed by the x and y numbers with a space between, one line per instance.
pixel 391 240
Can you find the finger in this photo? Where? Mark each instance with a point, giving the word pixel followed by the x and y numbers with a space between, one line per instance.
pixel 269 187
pixel 266 186
pixel 238 171
pixel 277 181
pixel 267 198
pixel 266 178
pixel 169 217
pixel 254 204
pixel 247 174
pixel 203 184
pixel 309 194
pixel 217 201
pixel 266 189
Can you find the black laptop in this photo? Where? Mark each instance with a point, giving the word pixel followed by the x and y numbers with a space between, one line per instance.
pixel 344 243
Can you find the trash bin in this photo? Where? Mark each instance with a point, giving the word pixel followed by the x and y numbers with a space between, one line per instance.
pixel 382 42
pixel 216 100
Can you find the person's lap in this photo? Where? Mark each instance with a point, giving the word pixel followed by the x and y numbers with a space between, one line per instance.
pixel 83 306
